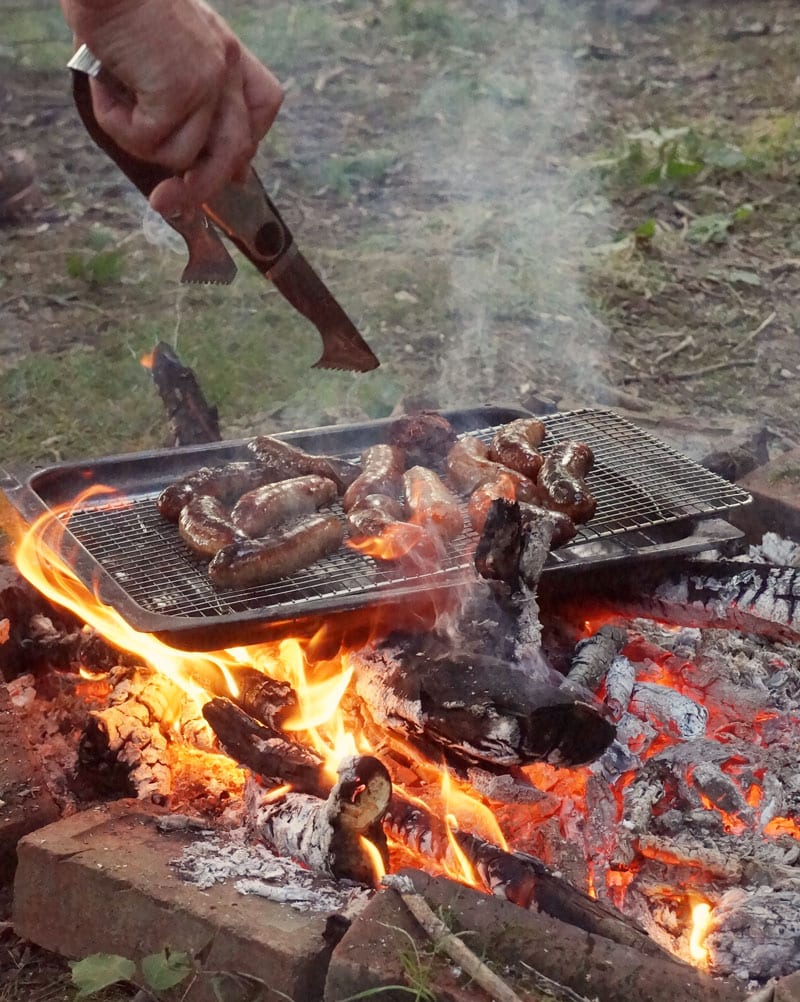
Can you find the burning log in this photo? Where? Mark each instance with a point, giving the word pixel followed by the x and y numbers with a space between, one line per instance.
pixel 670 711
pixel 328 835
pixel 263 698
pixel 264 750
pixel 620 679
pixel 478 711
pixel 191 420
pixel 125 745
pixel 754 598
pixel 593 658
pixel 517 876
pixel 512 548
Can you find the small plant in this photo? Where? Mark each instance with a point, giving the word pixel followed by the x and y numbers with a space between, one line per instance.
pixel 715 227
pixel 103 262
pixel 160 972
pixel 669 157
pixel 345 174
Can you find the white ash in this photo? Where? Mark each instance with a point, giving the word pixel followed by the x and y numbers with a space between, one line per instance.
pixel 756 935
pixel 775 549
pixel 669 710
pixel 253 869
pixel 22 691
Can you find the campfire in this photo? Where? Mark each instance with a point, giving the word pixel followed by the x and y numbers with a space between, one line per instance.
pixel 617 751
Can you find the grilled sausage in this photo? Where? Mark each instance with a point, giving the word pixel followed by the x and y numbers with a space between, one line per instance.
pixel 481 499
pixel 468 466
pixel 382 473
pixel 425 438
pixel 262 509
pixel 378 528
pixel 430 504
pixel 283 553
pixel 205 526
pixel 285 461
pixel 561 482
pixel 225 483
pixel 515 445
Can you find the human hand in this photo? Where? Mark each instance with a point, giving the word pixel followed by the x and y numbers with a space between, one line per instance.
pixel 199 102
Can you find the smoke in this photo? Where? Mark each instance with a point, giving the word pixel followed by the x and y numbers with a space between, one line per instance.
pixel 519 219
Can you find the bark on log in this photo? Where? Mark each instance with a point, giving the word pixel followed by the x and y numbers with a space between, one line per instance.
pixel 478 711
pixel 326 834
pixel 264 750
pixel 593 658
pixel 192 420
pixel 519 877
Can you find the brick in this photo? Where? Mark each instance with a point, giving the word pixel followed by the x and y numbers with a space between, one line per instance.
pixel 25 804
pixel 100 881
pixel 507 937
pixel 775 487
pixel 787 989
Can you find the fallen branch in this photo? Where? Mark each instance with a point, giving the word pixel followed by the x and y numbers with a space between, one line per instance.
pixel 754 334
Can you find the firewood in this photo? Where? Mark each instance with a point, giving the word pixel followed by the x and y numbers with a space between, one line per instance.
pixel 478 711
pixel 264 750
pixel 593 657
pixel 326 835
pixel 124 746
pixel 192 420
pixel 517 876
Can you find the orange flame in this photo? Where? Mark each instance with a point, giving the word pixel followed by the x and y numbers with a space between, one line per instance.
pixel 148 359
pixel 375 859
pixel 394 543
pixel 701 922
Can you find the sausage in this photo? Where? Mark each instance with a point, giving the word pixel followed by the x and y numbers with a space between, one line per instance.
pixel 205 526
pixel 430 504
pixel 468 466
pixel 284 461
pixel 382 473
pixel 515 445
pixel 481 499
pixel 561 481
pixel 260 510
pixel 563 527
pixel 425 438
pixel 279 555
pixel 378 528
pixel 225 483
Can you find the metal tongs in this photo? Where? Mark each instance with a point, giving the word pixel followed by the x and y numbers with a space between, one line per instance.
pixel 247 216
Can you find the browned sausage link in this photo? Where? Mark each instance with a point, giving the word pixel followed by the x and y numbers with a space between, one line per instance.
pixel 468 466
pixel 378 528
pixel 382 473
pixel 575 457
pixel 283 553
pixel 481 499
pixel 425 438
pixel 205 527
pixel 563 526
pixel 260 510
pixel 430 504
pixel 561 483
pixel 515 445
pixel 372 515
pixel 286 461
pixel 225 483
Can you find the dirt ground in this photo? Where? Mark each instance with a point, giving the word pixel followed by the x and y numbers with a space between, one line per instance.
pixel 587 203
pixel 592 203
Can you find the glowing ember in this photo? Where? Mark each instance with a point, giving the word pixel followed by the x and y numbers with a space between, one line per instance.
pixel 376 860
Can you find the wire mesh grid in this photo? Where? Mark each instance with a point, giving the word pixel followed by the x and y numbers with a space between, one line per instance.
pixel 639 483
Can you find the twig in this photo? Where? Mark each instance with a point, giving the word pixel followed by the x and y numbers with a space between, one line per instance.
pixel 562 992
pixel 717 367
pixel 754 334
pixel 443 939
pixel 687 342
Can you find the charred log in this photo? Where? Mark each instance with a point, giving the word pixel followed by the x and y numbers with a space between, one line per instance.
pixel 124 748
pixel 517 876
pixel 326 834
pixel 264 750
pixel 192 421
pixel 265 699
pixel 513 548
pixel 478 711
pixel 593 658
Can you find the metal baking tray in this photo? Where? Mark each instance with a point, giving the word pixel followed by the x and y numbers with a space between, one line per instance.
pixel 652 503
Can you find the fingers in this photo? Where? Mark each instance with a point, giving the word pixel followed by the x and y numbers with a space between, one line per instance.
pixel 263 95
